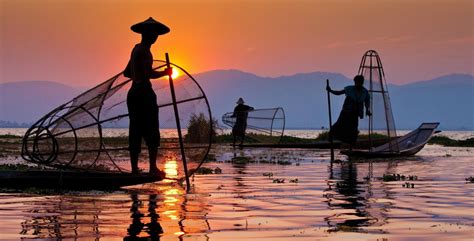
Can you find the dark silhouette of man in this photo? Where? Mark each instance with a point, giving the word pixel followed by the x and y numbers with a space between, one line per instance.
pixel 346 127
pixel 241 112
pixel 141 99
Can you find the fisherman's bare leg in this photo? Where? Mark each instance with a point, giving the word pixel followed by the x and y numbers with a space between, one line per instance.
pixel 134 161
pixel 152 152
pixel 134 148
pixel 242 138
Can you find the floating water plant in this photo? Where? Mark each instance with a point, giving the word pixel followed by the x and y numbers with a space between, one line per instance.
pixel 204 170
pixel 284 163
pixel 210 158
pixel 398 177
pixel 279 180
pixel 241 160
pixel 470 179
pixel 294 180
pixel 268 174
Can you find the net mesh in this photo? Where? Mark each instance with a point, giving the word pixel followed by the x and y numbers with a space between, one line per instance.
pixel 380 127
pixel 71 136
pixel 263 125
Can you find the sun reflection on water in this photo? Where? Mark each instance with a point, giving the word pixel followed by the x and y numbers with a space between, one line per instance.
pixel 171 167
pixel 172 194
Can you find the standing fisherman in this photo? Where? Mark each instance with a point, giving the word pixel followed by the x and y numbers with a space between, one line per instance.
pixel 141 99
pixel 346 127
pixel 240 114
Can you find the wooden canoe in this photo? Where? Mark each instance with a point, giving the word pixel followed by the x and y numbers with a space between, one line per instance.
pixel 406 145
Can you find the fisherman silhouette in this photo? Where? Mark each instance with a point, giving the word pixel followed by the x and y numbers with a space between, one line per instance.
pixel 240 126
pixel 153 228
pixel 346 127
pixel 141 99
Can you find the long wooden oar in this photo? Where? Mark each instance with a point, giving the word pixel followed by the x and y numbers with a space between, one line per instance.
pixel 178 125
pixel 330 120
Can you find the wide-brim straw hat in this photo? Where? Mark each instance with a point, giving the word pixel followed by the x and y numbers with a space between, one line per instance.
pixel 150 25
pixel 240 101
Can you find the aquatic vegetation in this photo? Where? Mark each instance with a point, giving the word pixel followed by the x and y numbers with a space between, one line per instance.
pixel 294 180
pixel 279 180
pixel 19 167
pixel 446 141
pixel 206 170
pixel 268 174
pixel 470 179
pixel 210 158
pixel 398 177
pixel 198 131
pixel 408 185
pixel 240 160
pixel 256 138
pixel 284 163
pixel 325 136
pixel 10 136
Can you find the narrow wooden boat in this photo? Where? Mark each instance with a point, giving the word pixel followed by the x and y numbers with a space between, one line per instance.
pixel 73 180
pixel 406 145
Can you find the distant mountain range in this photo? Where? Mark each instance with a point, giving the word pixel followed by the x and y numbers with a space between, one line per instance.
pixel 26 102
pixel 448 99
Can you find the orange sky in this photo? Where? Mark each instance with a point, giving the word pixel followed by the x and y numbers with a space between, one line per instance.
pixel 82 42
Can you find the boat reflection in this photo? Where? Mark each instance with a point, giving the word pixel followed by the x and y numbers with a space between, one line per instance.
pixel 351 199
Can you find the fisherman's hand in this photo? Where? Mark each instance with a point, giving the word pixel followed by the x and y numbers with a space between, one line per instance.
pixel 168 71
pixel 368 113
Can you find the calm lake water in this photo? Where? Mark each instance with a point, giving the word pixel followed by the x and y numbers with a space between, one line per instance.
pixel 338 201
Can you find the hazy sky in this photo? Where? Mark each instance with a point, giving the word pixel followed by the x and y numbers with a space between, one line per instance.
pixel 82 42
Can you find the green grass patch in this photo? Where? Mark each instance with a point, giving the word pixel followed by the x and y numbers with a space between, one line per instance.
pixel 8 136
pixel 446 141
pixel 19 167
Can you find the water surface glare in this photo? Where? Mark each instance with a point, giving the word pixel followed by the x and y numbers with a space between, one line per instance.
pixel 338 201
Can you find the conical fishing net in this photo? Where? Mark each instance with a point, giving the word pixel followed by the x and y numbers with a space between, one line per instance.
pixel 380 127
pixel 263 125
pixel 72 135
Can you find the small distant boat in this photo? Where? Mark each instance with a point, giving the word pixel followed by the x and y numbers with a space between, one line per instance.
pixel 72 180
pixel 407 145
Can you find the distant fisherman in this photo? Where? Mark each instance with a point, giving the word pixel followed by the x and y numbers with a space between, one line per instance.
pixel 240 114
pixel 141 99
pixel 346 127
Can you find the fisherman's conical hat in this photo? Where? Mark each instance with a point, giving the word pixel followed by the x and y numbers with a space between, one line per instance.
pixel 150 25
pixel 240 101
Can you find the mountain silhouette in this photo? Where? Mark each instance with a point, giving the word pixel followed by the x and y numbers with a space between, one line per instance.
pixel 447 99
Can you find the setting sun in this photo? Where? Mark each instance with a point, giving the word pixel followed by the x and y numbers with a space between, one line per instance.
pixel 175 74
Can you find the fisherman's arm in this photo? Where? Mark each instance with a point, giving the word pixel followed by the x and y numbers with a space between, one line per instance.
pixel 367 104
pixel 335 92
pixel 158 74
